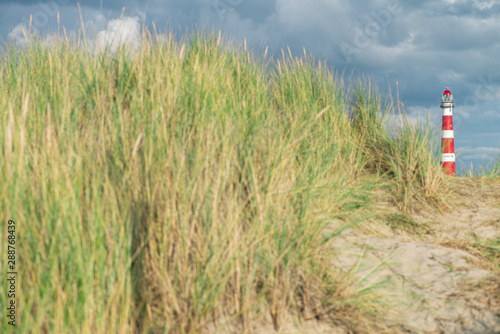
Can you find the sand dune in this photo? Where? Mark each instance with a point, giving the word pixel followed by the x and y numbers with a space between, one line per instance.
pixel 430 282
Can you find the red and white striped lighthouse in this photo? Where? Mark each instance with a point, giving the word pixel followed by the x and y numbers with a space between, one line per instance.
pixel 447 137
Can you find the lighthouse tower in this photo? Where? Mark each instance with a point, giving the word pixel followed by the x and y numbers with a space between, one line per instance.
pixel 447 137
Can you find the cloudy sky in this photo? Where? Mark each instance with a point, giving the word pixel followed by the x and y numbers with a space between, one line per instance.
pixel 423 45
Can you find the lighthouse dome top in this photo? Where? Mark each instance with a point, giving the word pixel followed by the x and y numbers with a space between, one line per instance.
pixel 447 96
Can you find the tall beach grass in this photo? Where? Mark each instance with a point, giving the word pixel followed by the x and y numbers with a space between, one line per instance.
pixel 190 183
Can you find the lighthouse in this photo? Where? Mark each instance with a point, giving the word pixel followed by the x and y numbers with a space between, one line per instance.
pixel 447 137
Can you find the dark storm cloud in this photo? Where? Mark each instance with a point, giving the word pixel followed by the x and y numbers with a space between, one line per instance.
pixel 423 45
pixel 416 41
pixel 86 3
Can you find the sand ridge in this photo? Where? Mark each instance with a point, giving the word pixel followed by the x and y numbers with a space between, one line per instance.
pixel 436 282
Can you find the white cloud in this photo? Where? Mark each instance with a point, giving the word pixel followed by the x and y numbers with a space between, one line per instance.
pixel 416 117
pixel 95 25
pixel 492 114
pixel 481 152
pixel 20 35
pixel 125 31
pixel 481 4
pixel 120 32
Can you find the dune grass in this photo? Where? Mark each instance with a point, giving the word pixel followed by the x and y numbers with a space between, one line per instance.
pixel 491 249
pixel 190 183
pixel 485 170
